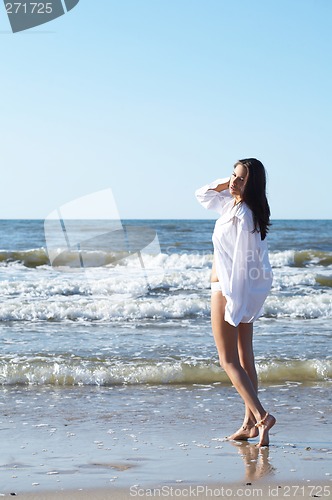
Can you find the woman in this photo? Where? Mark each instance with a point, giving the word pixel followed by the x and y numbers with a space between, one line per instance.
pixel 240 282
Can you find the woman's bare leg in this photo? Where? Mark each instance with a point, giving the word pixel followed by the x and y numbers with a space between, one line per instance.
pixel 226 339
pixel 247 361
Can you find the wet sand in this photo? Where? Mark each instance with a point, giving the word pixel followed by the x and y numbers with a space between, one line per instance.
pixel 231 490
pixel 60 443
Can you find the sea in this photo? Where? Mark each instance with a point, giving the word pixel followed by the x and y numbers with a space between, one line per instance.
pixel 98 321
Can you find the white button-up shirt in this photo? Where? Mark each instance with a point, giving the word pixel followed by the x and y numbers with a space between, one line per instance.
pixel 241 257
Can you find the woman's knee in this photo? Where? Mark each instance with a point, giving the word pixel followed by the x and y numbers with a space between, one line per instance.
pixel 228 362
pixel 247 361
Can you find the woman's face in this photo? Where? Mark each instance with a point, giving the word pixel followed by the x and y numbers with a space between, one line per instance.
pixel 238 181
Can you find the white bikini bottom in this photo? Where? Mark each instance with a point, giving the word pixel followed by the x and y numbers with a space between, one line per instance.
pixel 215 286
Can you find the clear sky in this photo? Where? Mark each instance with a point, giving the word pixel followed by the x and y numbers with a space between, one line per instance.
pixel 154 98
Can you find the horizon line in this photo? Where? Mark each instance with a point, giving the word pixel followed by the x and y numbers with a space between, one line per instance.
pixel 160 218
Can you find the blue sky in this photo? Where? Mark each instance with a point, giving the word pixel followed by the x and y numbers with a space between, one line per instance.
pixel 154 98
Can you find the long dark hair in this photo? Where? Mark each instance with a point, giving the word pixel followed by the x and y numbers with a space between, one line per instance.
pixel 254 194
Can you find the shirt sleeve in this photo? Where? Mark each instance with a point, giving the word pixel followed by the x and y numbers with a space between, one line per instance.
pixel 213 200
pixel 240 280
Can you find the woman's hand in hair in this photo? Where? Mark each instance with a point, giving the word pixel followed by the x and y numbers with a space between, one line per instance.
pixel 221 187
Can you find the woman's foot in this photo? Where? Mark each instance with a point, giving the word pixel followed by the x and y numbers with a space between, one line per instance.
pixel 264 426
pixel 247 431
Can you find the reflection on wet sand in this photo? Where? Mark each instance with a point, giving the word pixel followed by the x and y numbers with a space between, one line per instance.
pixel 256 460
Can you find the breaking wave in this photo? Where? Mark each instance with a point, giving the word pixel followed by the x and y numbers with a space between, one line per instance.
pixel 95 258
pixel 75 371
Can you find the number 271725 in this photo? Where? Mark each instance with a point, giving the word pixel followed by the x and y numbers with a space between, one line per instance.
pixel 29 8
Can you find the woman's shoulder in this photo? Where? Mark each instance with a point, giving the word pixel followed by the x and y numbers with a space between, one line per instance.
pixel 242 211
pixel 245 216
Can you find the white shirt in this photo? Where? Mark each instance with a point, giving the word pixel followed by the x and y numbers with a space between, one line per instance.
pixel 241 257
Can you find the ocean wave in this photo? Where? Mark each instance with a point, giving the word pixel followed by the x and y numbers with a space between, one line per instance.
pixel 301 306
pixel 301 280
pixel 168 305
pixel 301 258
pixel 181 261
pixel 119 307
pixel 324 279
pixel 124 282
pixel 86 372
pixel 33 257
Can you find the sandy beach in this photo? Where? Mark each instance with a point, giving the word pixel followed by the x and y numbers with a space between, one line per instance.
pixel 79 451
pixel 231 490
